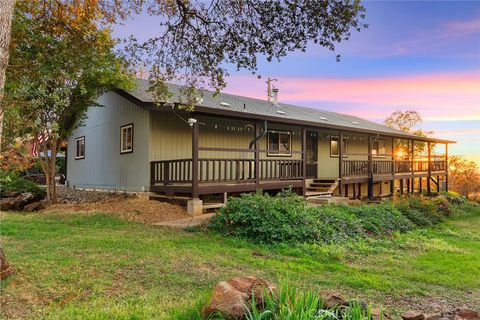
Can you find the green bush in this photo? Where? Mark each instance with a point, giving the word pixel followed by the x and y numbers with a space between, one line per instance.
pixel 382 219
pixel 285 218
pixel 422 211
pixel 12 182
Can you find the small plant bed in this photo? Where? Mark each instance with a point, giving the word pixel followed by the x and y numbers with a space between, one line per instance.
pixel 286 218
pixel 252 298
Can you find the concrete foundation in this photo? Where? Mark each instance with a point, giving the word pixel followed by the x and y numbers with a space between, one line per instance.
pixel 195 207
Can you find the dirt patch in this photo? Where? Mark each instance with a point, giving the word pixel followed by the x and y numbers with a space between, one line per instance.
pixel 140 210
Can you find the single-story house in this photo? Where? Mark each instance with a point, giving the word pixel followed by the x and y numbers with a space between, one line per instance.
pixel 230 144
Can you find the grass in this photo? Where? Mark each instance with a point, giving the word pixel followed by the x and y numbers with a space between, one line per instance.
pixel 94 266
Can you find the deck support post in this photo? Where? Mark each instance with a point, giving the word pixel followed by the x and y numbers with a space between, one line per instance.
pixel 408 186
pixel 195 133
pixel 429 168
pixel 412 169
pixel 359 197
pixel 370 168
pixel 304 160
pixel 446 167
pixel 438 184
pixel 346 190
pixel 401 186
pixel 420 185
pixel 380 187
pixel 340 162
pixel 392 166
pixel 257 155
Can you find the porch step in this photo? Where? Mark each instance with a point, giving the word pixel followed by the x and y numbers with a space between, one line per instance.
pixel 321 184
pixel 320 188
pixel 212 205
pixel 312 194
pixel 325 180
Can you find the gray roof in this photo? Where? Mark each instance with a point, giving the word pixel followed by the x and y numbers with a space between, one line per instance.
pixel 282 112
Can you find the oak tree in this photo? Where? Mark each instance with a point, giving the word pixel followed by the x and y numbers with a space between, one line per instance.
pixel 61 60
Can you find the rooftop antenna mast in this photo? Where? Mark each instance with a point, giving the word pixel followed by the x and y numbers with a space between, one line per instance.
pixel 269 88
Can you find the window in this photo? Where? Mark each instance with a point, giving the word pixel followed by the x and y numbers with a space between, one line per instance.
pixel 334 147
pixel 378 148
pixel 80 148
pixel 126 138
pixel 279 143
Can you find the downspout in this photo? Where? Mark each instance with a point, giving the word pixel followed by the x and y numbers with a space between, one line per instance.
pixel 254 141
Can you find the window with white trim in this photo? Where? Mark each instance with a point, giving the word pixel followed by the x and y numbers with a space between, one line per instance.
pixel 279 143
pixel 126 138
pixel 80 147
pixel 379 149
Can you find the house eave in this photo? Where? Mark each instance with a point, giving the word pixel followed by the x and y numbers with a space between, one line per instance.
pixel 200 109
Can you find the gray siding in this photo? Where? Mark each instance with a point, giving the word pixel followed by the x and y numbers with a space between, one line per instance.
pixel 104 167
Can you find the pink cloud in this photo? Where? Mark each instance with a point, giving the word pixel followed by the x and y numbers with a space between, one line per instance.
pixel 436 96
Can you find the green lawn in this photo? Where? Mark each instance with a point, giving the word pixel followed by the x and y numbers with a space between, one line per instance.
pixel 84 266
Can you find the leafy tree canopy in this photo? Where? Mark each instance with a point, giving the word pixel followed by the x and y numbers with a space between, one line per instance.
pixel 61 60
pixel 196 39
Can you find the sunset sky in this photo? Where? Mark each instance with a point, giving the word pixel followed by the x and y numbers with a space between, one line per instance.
pixel 421 55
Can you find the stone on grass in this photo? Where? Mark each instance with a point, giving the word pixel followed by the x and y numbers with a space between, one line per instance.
pixel 332 301
pixel 467 314
pixel 17 202
pixel 34 206
pixel 232 298
pixel 413 315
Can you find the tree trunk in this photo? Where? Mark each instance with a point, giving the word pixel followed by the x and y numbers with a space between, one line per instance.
pixel 48 164
pixel 5 268
pixel 6 14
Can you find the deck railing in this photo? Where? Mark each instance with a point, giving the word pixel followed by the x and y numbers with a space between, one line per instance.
pixel 224 170
pixel 243 170
pixel 360 167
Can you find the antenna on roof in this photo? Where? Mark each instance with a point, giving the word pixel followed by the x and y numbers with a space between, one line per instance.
pixel 269 88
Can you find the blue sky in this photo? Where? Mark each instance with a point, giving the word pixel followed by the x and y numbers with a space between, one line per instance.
pixel 422 55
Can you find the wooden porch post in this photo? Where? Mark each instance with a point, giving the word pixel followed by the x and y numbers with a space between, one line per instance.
pixel 340 163
pixel 412 151
pixel 429 167
pixel 304 160
pixel 195 133
pixel 446 167
pixel 392 182
pixel 420 186
pixel 370 168
pixel 257 155
pixel 401 186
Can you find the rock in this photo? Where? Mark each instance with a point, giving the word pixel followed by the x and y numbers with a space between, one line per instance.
pixel 18 202
pixel 233 298
pixel 333 301
pixel 253 284
pixel 10 194
pixel 413 315
pixel 34 206
pixel 226 300
pixel 467 314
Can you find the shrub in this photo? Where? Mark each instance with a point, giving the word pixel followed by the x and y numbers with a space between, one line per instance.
pixel 267 219
pixel 12 182
pixel 421 211
pixel 285 218
pixel 382 219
